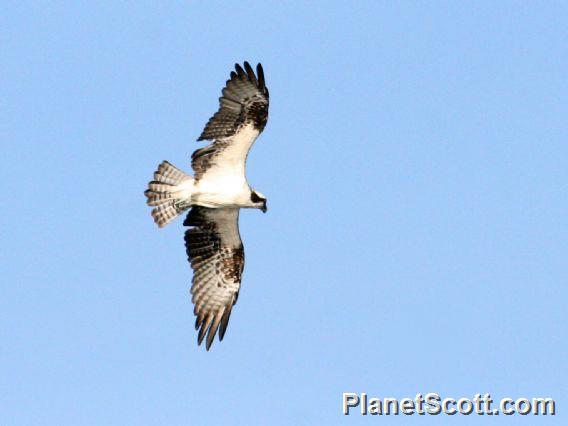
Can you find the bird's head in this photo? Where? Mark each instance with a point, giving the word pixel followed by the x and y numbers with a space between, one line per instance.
pixel 258 200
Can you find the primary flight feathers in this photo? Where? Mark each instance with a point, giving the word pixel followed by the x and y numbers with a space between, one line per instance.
pixel 215 194
pixel 245 98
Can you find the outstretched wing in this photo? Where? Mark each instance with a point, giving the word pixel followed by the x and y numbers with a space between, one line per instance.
pixel 216 254
pixel 242 115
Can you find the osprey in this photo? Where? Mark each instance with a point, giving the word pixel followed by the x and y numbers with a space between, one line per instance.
pixel 216 193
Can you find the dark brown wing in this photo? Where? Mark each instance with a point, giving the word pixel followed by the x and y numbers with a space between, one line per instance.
pixel 216 254
pixel 244 100
pixel 242 115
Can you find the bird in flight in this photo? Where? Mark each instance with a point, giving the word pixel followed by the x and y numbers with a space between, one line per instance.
pixel 215 194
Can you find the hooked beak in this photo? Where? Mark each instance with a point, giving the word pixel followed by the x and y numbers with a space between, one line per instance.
pixel 264 208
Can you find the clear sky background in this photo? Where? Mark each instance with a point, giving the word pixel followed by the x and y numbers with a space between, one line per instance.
pixel 416 167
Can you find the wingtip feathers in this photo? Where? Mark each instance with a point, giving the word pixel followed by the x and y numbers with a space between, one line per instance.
pixel 212 324
pixel 248 72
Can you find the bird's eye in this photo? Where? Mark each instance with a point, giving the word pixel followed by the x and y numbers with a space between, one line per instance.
pixel 255 198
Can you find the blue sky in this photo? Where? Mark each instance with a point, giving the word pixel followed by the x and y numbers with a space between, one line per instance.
pixel 415 163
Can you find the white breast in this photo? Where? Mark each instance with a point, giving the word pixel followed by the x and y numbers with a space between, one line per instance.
pixel 225 183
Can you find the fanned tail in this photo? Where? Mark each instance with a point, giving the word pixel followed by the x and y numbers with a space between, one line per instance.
pixel 170 193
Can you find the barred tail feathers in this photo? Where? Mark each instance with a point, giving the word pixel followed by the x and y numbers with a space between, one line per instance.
pixel 169 193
